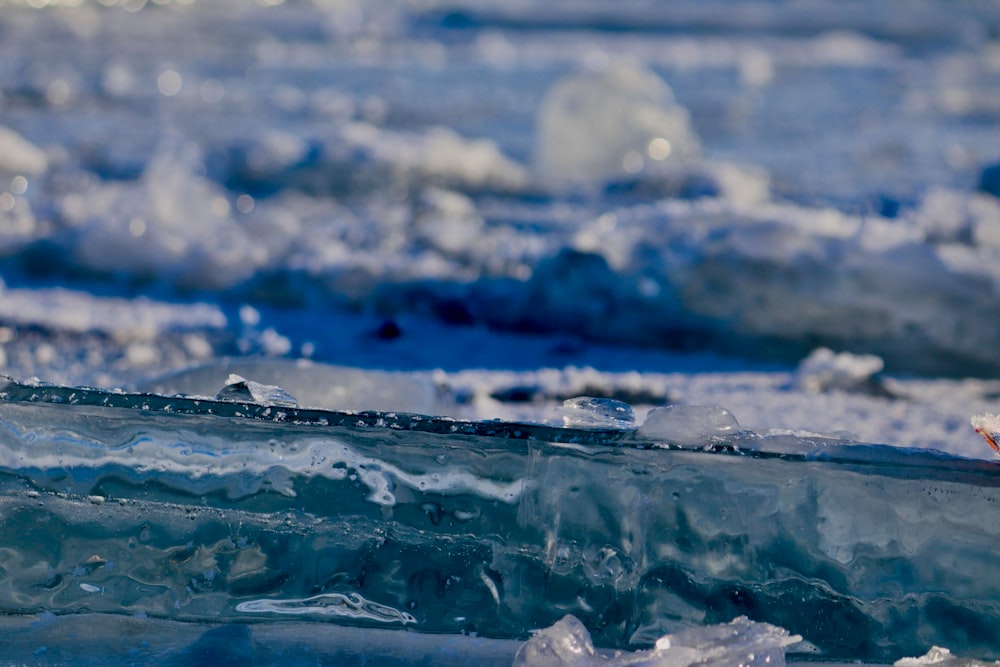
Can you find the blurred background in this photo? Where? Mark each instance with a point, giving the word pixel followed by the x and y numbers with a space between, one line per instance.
pixel 403 184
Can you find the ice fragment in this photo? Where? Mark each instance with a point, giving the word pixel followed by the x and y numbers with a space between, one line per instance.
pixel 239 388
pixel 944 658
pixel 589 412
pixel 689 424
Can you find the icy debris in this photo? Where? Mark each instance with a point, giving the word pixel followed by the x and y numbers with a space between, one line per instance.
pixel 240 389
pixel 689 425
pixel 824 370
pixel 944 658
pixel 742 642
pixel 20 156
pixel 988 426
pixel 589 412
pixel 596 127
pixel 340 605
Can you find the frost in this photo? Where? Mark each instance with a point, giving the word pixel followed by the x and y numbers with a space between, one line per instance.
pixel 689 425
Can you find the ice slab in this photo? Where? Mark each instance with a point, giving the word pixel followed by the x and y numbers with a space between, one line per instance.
pixel 186 509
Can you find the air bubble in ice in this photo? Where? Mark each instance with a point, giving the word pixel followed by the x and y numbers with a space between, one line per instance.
pixel 689 424
pixel 588 412
pixel 239 389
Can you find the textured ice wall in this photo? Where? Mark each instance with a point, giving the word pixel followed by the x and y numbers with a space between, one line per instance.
pixel 198 509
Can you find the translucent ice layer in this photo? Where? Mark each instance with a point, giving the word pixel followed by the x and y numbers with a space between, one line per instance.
pixel 194 509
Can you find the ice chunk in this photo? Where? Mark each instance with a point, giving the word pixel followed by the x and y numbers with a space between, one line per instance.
pixel 20 156
pixel 689 424
pixel 743 642
pixel 600 126
pixel 944 658
pixel 589 412
pixel 825 370
pixel 239 388
pixel 565 643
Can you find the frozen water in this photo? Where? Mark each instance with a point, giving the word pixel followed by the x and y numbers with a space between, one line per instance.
pixel 688 425
pixel 943 657
pixel 567 644
pixel 588 412
pixel 240 389
pixel 518 205
pixel 486 526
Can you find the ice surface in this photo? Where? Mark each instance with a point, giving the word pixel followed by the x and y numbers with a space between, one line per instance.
pixel 489 527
